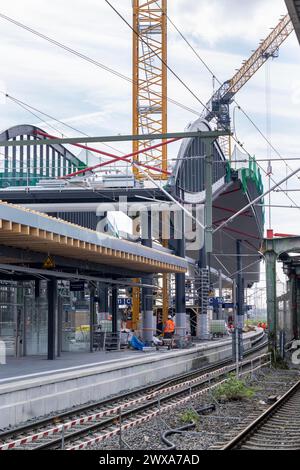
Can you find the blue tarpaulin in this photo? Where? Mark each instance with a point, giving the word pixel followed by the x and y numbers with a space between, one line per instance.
pixel 137 344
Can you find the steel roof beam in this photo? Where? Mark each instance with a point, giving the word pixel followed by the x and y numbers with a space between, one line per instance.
pixel 117 138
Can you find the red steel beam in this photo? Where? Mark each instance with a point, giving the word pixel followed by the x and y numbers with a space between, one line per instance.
pixel 225 209
pixel 239 232
pixel 285 235
pixel 126 158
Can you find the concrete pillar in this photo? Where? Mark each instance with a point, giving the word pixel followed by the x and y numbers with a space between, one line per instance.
pixel 114 308
pixel 147 293
pixel 180 285
pixel 52 307
pixel 271 257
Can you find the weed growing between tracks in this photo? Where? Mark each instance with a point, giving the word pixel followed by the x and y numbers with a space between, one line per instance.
pixel 233 390
pixel 189 416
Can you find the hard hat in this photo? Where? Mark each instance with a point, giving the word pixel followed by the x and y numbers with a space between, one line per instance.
pixel 170 317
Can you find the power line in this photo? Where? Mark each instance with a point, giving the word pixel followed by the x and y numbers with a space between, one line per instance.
pixel 32 110
pixel 234 100
pixel 156 54
pixel 186 86
pixel 87 58
pixel 252 203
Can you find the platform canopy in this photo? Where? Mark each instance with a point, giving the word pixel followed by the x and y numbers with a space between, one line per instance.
pixel 30 230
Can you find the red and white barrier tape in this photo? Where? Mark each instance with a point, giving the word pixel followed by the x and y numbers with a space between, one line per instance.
pixel 151 415
pixel 115 410
pixel 145 418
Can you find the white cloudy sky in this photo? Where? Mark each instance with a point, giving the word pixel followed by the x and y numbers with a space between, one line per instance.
pixel 96 102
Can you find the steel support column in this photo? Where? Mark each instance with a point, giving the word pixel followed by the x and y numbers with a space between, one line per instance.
pixel 205 253
pixel 59 324
pixel 52 307
pixel 92 316
pixel 293 302
pixel 220 312
pixel 103 307
pixel 180 283
pixel 288 317
pixel 147 294
pixel 239 324
pixel 297 322
pixel 114 308
pixel 271 257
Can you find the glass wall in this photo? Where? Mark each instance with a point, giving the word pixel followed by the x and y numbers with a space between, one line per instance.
pixel 36 318
pixel 10 318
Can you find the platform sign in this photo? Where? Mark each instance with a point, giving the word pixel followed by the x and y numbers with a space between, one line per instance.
pixel 77 286
pixel 124 301
pixel 228 305
pixel 215 301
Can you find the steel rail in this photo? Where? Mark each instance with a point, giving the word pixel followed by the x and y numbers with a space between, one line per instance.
pixel 60 418
pixel 258 424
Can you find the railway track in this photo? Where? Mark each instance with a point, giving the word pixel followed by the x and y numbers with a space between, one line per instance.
pixel 113 416
pixel 276 429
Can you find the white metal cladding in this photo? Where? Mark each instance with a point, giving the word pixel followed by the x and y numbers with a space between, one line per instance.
pixel 188 173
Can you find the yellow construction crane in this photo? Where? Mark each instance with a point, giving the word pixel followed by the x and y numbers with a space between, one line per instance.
pixel 150 82
pixel 219 104
pixel 149 103
pixel 150 91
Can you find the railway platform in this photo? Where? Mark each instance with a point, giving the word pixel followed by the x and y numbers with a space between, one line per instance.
pixel 34 387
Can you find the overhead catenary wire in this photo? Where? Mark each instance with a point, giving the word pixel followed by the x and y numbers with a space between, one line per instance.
pixel 83 56
pixel 209 69
pixel 111 147
pixel 204 63
pixel 188 88
pixel 252 203
pixel 33 110
pixel 131 80
pixel 88 59
pixel 175 74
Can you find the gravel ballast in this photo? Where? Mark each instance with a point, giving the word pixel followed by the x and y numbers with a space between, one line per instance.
pixel 212 429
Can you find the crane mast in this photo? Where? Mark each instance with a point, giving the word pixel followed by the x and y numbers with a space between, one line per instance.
pixel 150 81
pixel 149 103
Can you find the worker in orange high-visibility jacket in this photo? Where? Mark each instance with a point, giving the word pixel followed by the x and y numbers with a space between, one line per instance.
pixel 169 328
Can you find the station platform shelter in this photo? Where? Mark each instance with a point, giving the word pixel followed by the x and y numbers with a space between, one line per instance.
pixel 59 280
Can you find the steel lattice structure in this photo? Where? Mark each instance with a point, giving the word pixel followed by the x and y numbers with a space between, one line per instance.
pixel 150 81
pixel 218 106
